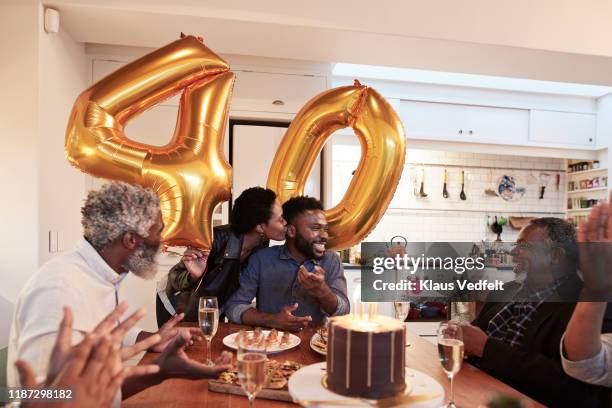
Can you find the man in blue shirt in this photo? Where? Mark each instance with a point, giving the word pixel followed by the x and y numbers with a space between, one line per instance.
pixel 296 283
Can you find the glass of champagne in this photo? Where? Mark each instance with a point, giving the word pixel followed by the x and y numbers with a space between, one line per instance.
pixel 208 317
pixel 401 310
pixel 450 351
pixel 252 358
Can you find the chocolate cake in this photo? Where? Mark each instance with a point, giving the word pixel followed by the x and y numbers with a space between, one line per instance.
pixel 366 358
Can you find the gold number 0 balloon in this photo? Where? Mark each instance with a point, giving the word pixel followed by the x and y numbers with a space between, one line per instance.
pixel 190 173
pixel 383 147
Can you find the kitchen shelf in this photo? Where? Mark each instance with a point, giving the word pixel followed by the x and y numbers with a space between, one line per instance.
pixel 586 190
pixel 587 171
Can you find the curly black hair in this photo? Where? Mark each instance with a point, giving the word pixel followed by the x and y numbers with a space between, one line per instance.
pixel 562 234
pixel 298 205
pixel 252 207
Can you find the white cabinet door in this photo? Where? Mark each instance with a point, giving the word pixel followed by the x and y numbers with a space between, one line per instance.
pixel 253 149
pixel 464 123
pixel 277 93
pixel 497 125
pixel 431 120
pixel 562 128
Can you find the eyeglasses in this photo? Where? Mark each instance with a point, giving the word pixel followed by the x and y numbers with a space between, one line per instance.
pixel 521 246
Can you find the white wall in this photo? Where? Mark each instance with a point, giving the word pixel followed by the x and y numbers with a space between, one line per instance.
pixel 63 73
pixel 437 219
pixel 19 152
pixel 40 77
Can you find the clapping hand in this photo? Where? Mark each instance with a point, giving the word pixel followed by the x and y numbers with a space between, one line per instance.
pixel 594 238
pixel 93 369
pixel 168 332
pixel 313 282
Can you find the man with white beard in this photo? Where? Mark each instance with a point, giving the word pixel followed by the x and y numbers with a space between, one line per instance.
pixel 122 227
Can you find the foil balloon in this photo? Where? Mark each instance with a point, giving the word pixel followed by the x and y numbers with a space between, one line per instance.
pixel 383 150
pixel 190 173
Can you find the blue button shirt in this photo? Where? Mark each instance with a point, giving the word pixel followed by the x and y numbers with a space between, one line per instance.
pixel 271 275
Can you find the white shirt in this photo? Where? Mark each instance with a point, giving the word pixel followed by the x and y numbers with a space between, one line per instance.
pixel 594 370
pixel 80 279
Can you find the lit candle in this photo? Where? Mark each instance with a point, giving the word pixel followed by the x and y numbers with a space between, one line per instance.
pixel 356 300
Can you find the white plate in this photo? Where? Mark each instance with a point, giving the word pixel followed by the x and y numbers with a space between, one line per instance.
pixel 317 337
pixel 294 341
pixel 305 384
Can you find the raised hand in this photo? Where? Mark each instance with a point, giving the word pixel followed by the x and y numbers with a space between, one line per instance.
pixel 594 238
pixel 313 282
pixel 93 369
pixel 195 261
pixel 168 332
pixel 86 372
pixel 107 327
pixel 287 321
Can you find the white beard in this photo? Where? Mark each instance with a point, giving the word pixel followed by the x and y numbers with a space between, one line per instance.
pixel 143 262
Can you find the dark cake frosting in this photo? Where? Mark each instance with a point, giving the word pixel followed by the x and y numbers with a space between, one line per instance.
pixel 366 358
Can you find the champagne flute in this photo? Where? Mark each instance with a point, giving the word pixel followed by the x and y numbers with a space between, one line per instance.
pixel 401 310
pixel 208 317
pixel 450 351
pixel 252 358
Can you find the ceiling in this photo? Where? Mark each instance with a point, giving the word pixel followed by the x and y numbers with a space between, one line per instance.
pixel 559 40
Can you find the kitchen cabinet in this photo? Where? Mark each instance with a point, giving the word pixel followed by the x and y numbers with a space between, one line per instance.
pixel 273 92
pixel 464 123
pixel 562 128
pixel 253 91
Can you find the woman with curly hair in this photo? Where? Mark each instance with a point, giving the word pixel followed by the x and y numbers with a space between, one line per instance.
pixel 256 218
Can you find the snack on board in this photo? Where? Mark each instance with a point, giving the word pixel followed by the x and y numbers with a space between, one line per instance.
pixel 277 374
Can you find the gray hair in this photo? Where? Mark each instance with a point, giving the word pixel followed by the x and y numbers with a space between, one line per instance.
pixel 562 234
pixel 116 209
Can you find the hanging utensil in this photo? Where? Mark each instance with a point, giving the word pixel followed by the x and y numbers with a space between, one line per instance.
pixel 462 194
pixel 422 190
pixel 557 181
pixel 497 229
pixel 490 191
pixel 444 190
pixel 415 182
pixel 544 178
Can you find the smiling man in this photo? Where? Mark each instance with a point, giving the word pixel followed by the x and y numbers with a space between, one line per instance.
pixel 518 342
pixel 296 283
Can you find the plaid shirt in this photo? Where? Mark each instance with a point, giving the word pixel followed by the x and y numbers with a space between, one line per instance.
pixel 509 323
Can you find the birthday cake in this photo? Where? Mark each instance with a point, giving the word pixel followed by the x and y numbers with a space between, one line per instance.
pixel 365 357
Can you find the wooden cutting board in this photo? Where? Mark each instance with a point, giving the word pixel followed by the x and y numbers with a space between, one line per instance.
pixel 266 393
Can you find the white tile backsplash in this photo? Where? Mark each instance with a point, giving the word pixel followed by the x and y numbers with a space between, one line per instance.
pixel 437 219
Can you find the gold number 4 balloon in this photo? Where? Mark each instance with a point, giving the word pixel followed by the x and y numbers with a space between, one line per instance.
pixel 190 173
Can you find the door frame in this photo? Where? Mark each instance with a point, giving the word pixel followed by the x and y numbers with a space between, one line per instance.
pixel 277 124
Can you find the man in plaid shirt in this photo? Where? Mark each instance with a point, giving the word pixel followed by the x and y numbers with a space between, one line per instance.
pixel 518 342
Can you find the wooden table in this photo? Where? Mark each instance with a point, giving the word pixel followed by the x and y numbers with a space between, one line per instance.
pixel 472 386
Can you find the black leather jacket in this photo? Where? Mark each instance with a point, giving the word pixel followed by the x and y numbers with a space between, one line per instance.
pixel 221 278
